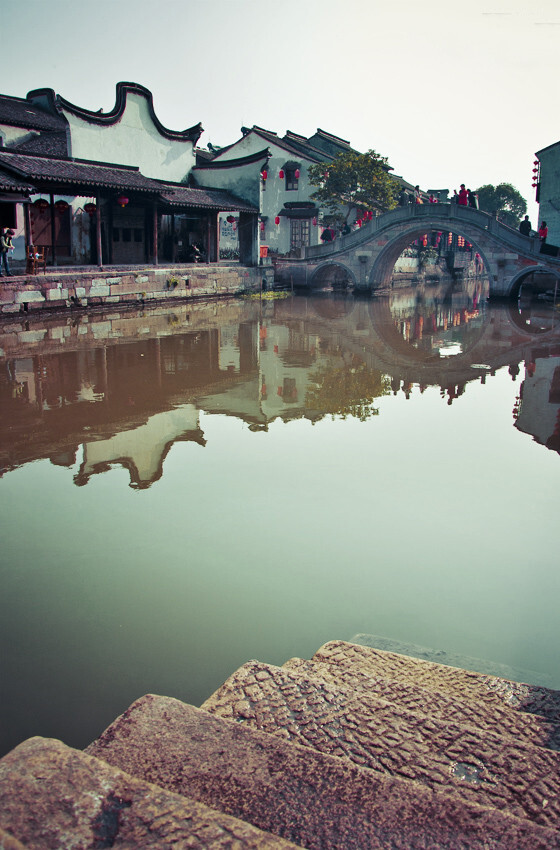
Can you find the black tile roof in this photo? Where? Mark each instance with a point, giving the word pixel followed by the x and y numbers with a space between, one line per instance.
pixel 20 112
pixel 11 183
pixel 74 173
pixel 216 199
pixel 52 143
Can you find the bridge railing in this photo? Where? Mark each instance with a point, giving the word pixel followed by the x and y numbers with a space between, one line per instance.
pixel 450 215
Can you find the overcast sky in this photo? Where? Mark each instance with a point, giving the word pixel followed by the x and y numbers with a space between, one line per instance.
pixel 450 92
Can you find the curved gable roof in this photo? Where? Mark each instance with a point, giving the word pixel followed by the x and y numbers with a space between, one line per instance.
pixel 106 119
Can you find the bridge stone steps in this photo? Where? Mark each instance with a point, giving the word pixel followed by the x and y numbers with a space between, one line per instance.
pixel 478 764
pixel 314 799
pixel 458 684
pixel 455 707
pixel 53 797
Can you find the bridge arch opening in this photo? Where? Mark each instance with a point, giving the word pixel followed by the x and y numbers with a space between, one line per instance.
pixel 428 253
pixel 333 276
pixel 535 281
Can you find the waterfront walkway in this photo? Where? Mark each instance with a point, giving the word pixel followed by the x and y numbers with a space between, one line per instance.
pixel 356 748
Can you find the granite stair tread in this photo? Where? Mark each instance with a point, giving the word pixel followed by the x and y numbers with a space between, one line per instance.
pixel 313 799
pixel 54 797
pixel 482 766
pixel 462 684
pixel 493 715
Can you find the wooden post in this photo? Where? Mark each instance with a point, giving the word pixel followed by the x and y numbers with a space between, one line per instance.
pixel 53 237
pixel 98 232
pixel 27 223
pixel 172 237
pixel 155 231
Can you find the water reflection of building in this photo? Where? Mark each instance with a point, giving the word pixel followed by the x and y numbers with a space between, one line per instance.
pixel 538 408
pixel 138 385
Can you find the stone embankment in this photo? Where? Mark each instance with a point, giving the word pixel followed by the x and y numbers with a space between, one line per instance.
pixel 356 748
pixel 61 289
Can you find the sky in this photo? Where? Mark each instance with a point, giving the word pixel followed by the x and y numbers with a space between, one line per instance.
pixel 450 92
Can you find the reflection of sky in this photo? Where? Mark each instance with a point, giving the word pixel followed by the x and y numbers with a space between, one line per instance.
pixel 431 524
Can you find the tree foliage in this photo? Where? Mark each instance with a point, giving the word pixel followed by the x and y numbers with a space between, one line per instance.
pixel 354 179
pixel 504 201
pixel 346 390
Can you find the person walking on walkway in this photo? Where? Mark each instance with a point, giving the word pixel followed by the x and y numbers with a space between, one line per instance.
pixel 525 227
pixel 6 245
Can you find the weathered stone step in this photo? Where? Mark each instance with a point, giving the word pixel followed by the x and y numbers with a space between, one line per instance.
pixel 482 766
pixel 493 716
pixel 8 842
pixel 54 797
pixel 312 799
pixel 460 684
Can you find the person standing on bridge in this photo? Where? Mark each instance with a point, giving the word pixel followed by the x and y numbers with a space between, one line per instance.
pixel 525 227
pixel 472 199
pixel 463 198
pixel 543 232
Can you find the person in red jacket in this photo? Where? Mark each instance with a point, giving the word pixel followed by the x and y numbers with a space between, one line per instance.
pixel 543 232
pixel 463 196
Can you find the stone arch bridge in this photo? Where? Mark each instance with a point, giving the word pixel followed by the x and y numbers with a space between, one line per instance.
pixel 368 256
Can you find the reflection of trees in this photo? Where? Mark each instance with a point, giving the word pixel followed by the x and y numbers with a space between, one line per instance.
pixel 347 390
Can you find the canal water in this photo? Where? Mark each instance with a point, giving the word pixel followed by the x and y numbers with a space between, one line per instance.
pixel 184 490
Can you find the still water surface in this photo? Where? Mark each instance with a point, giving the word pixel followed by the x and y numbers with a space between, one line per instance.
pixel 186 490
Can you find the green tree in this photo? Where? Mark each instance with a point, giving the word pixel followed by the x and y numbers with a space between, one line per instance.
pixel 353 179
pixel 346 390
pixel 504 201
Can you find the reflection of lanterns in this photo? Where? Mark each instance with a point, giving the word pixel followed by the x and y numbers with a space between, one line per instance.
pixel 230 218
pixel 277 220
pixel 90 209
pixel 61 207
pixel 41 204
pixel 281 174
pixel 264 174
pixel 296 173
pixel 122 200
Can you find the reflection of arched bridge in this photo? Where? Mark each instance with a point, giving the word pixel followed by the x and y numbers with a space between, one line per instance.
pixel 368 255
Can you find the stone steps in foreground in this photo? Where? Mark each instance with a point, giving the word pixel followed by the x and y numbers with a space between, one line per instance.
pixel 492 716
pixel 55 798
pixel 455 682
pixel 480 766
pixel 313 799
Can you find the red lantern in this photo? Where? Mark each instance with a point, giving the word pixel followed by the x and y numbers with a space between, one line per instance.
pixel 277 220
pixel 61 207
pixel 122 200
pixel 230 218
pixel 296 173
pixel 264 174
pixel 281 174
pixel 314 222
pixel 90 209
pixel 262 226
pixel 42 204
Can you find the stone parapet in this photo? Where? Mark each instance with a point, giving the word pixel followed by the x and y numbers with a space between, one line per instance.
pixel 61 289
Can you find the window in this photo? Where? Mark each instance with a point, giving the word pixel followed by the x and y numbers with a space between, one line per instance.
pixel 116 234
pixel 299 232
pixel 126 234
pixel 138 236
pixel 291 180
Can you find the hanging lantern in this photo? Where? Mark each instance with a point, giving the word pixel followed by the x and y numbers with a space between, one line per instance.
pixel 277 220
pixel 264 174
pixel 90 209
pixel 314 222
pixel 535 162
pixel 296 173
pixel 262 226
pixel 61 207
pixel 535 170
pixel 41 204
pixel 122 201
pixel 230 218
pixel 281 174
